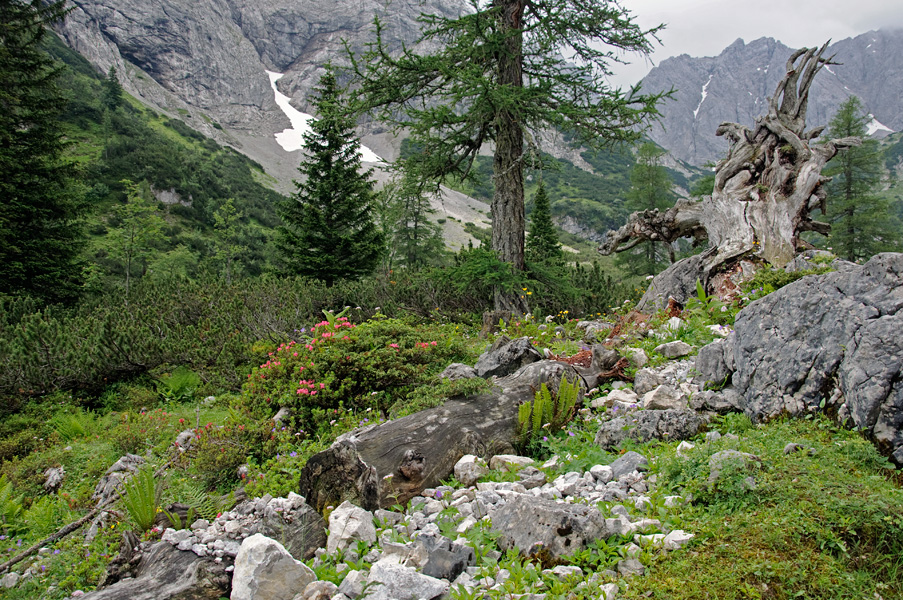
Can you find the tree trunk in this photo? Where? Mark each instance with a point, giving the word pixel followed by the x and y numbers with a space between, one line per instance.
pixel 508 220
pixel 764 190
pixel 389 464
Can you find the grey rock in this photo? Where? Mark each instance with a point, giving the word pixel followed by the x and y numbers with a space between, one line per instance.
pixel 319 590
pixel 298 526
pixel 392 581
pixel 265 569
pixel 120 472
pixel 791 346
pixel 53 479
pixel 664 398
pixel 533 524
pixel 645 425
pixel 165 573
pixel 677 281
pixel 531 477
pixel 456 371
pixel 628 463
pixel 507 359
pixel 721 402
pixel 469 469
pixel 630 567
pixel 646 380
pixel 353 584
pixel 637 357
pixel 349 524
pixel 625 396
pixel 714 364
pixel 674 349
pixel 509 462
pixel 9 581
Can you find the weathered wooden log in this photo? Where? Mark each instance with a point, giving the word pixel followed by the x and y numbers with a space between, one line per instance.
pixel 388 464
pixel 764 193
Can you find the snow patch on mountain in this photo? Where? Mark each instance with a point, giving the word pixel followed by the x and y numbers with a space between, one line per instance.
pixel 292 139
pixel 704 94
pixel 874 126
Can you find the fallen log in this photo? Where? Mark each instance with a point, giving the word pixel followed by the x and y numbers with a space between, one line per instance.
pixel 388 464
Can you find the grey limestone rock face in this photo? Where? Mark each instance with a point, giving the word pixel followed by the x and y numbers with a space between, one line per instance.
pixel 115 476
pixel 678 280
pixel 507 359
pixel 714 364
pixel 300 528
pixel 628 463
pixel 529 523
pixel 645 425
pixel 392 581
pixel 456 371
pixel 166 573
pixel 349 524
pixel 833 338
pixel 265 569
pixel 674 349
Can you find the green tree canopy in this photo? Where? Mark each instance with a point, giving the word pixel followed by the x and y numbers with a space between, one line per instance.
pixel 415 240
pixel 862 222
pixel 41 232
pixel 500 74
pixel 650 188
pixel 328 231
pixel 542 243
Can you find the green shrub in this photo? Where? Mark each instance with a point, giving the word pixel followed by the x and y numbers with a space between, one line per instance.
pixel 70 425
pixel 136 432
pixel 141 496
pixel 218 451
pixel 46 515
pixel 342 365
pixel 10 508
pixel 179 386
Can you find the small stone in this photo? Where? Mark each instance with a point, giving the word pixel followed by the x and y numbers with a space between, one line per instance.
pixel 664 398
pixel 349 524
pixel 565 571
pixel 684 448
pixel 677 539
pixel 602 473
pixel 674 349
pixel 792 447
pixel 319 590
pixel 469 469
pixel 10 580
pixel 630 567
pixel 712 436
pixel 637 357
pixel 509 462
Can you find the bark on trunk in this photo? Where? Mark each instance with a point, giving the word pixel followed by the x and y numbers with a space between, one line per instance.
pixel 765 189
pixel 508 221
pixel 388 464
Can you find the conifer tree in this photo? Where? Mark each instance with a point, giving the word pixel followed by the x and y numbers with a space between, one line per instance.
pixel 416 240
pixel 650 188
pixel 499 74
pixel 328 231
pixel 112 90
pixel 41 232
pixel 542 243
pixel 862 223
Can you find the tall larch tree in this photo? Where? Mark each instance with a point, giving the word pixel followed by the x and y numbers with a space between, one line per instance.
pixel 497 75
pixel 328 231
pixel 862 222
pixel 650 189
pixel 41 233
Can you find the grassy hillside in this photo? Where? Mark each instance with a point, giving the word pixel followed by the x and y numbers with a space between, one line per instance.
pixel 195 174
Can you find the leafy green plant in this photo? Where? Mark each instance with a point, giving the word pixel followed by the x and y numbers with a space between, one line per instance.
pixel 10 507
pixel 141 495
pixel 179 386
pixel 547 411
pixel 46 515
pixel 709 307
pixel 73 425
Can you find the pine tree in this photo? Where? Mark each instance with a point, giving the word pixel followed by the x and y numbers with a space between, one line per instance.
pixel 41 232
pixel 328 231
pixel 650 188
pixel 500 74
pixel 229 233
pixel 136 229
pixel 862 222
pixel 112 90
pixel 542 243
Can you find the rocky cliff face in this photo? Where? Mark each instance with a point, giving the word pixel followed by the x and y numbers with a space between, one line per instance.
pixel 206 60
pixel 734 86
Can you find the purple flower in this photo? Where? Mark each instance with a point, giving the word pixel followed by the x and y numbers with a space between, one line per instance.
pixel 571 433
pixel 438 495
pixel 293 454
pixel 57 551
pixel 545 438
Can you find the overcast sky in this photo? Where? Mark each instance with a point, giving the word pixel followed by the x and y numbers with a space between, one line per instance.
pixel 706 27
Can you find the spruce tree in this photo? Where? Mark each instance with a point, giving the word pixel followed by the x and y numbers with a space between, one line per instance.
pixel 542 243
pixel 416 240
pixel 499 74
pixel 112 90
pixel 41 232
pixel 328 231
pixel 862 222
